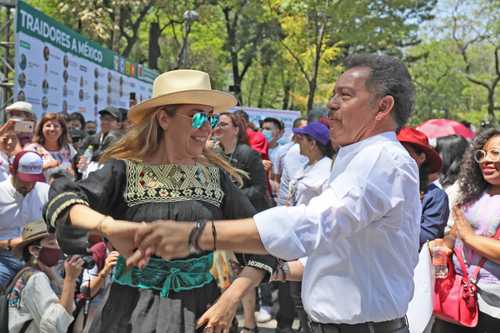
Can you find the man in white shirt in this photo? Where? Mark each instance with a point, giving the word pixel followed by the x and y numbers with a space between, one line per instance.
pixel 22 196
pixel 361 235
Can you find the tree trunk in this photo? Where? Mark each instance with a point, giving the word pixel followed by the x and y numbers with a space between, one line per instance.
pixel 154 51
pixel 491 107
pixel 310 95
pixel 263 86
pixel 115 42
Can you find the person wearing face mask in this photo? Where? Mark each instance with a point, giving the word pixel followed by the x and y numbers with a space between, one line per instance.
pixel 273 130
pixel 34 306
pixel 22 197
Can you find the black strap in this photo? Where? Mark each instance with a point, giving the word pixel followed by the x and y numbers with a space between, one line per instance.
pixel 25 326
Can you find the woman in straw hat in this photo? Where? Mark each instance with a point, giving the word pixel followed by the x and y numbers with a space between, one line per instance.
pixel 161 170
pixel 34 306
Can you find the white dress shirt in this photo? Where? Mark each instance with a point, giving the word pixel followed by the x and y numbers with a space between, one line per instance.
pixel 309 182
pixel 292 163
pixel 361 235
pixel 17 210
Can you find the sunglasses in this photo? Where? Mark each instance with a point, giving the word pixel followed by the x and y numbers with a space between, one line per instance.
pixel 199 119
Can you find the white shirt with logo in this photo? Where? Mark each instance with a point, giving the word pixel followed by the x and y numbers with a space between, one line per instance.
pixel 17 210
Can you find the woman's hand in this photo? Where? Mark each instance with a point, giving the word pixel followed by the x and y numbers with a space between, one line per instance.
pixel 110 262
pixel 219 317
pixel 7 127
pixel 73 267
pixel 167 239
pixel 440 243
pixel 121 235
pixel 464 229
pixel 50 164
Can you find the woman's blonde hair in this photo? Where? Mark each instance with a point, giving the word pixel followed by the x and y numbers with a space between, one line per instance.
pixel 143 139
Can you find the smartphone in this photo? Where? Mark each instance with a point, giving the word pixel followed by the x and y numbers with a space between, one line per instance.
pixel 24 126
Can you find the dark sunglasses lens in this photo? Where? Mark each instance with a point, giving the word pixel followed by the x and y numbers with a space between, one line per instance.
pixel 198 120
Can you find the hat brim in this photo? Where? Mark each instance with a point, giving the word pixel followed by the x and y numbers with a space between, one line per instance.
pixel 432 158
pixel 103 112
pixel 303 131
pixel 219 100
pixel 18 250
pixel 26 177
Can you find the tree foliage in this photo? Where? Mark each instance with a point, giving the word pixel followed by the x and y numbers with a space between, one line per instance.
pixel 287 53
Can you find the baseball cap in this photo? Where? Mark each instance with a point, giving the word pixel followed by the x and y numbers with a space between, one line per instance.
pixel 316 130
pixel 20 106
pixel 111 110
pixel 28 166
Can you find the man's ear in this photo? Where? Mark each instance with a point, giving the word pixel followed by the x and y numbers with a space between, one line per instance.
pixel 385 106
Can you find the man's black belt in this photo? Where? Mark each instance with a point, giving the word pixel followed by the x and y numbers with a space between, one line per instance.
pixel 369 327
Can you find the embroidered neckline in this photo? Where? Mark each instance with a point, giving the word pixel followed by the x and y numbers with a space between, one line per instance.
pixel 172 183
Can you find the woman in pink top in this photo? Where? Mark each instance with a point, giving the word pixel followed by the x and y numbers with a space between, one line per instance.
pixel 476 220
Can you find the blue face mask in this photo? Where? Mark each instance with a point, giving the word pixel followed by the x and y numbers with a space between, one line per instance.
pixel 268 134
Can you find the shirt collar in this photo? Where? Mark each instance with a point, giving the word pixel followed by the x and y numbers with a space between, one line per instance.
pixel 357 146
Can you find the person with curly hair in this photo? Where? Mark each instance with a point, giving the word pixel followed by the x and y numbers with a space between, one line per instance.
pixel 476 219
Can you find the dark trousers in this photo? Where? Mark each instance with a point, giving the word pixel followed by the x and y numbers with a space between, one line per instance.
pixel 486 324
pixel 265 295
pixel 392 326
pixel 295 292
pixel 286 312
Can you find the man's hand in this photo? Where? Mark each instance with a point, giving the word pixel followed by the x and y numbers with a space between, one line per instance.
pixel 167 239
pixel 121 235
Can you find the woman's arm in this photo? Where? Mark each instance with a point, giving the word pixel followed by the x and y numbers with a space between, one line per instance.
pixel 485 246
pixel 220 316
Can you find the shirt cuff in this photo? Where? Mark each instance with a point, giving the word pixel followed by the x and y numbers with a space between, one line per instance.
pixel 276 229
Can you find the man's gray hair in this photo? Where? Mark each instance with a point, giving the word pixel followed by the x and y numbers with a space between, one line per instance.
pixel 388 76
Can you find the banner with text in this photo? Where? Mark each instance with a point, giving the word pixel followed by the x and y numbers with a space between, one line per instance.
pixel 59 70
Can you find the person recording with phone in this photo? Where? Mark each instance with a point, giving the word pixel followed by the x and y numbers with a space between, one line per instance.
pixel 34 305
pixel 22 112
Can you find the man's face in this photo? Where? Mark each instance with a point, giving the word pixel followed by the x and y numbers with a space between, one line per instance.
pixel 90 128
pixel 108 122
pixel 275 131
pixel 22 187
pixel 353 108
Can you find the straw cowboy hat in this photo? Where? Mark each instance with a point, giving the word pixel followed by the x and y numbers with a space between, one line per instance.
pixel 31 232
pixel 183 86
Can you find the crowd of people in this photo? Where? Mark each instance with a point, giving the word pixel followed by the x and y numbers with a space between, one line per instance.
pixel 124 229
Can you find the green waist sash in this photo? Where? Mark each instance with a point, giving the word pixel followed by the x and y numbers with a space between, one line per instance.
pixel 162 275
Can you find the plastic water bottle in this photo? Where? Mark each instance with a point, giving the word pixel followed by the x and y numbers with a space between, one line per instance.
pixel 87 156
pixel 440 262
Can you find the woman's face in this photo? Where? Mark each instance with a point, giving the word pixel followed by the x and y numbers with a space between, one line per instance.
pixel 490 165
pixel 419 157
pixel 186 141
pixel 52 130
pixel 225 130
pixel 306 145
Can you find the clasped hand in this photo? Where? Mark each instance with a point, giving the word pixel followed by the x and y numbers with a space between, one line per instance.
pixel 139 241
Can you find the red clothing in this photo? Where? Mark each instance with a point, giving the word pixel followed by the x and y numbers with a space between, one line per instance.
pixel 258 142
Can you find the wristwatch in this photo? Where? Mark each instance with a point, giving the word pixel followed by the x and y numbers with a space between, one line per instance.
pixel 286 269
pixel 9 245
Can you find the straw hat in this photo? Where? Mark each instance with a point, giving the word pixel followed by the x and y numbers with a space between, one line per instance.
pixel 31 232
pixel 183 86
